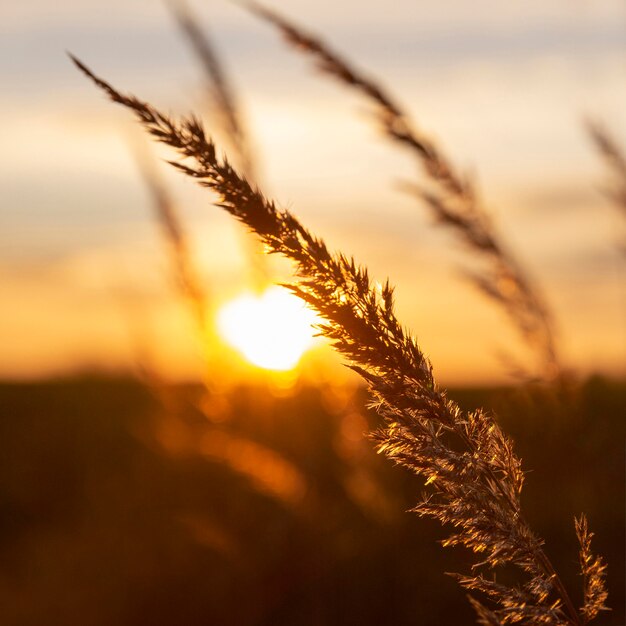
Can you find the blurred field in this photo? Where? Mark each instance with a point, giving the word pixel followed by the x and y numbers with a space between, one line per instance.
pixel 111 513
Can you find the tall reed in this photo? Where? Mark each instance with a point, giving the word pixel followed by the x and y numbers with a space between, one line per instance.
pixel 227 112
pixel 615 160
pixel 473 479
pixel 218 85
pixel 452 199
pixel 191 288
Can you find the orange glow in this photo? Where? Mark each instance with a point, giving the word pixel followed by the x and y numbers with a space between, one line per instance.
pixel 271 331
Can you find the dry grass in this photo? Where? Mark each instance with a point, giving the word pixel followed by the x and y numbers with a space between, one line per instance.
pixel 615 160
pixel 185 273
pixel 227 112
pixel 222 93
pixel 473 479
pixel 451 198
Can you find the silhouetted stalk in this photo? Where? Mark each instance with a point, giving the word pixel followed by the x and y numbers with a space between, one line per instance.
pixel 222 97
pixel 615 160
pixel 472 475
pixel 185 272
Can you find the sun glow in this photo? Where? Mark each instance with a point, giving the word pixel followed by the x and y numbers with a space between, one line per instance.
pixel 272 330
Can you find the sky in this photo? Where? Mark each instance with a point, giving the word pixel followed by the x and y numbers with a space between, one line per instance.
pixel 502 87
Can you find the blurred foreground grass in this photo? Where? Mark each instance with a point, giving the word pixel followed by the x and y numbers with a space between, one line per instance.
pixel 113 512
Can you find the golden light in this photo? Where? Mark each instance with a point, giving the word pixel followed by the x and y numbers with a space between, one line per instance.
pixel 272 330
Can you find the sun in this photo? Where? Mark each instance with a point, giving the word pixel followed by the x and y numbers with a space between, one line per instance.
pixel 272 330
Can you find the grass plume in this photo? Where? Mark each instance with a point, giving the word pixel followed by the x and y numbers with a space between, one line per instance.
pixel 226 108
pixel 453 200
pixel 473 479
pixel 615 160
pixel 593 571
pixel 219 86
pixel 186 275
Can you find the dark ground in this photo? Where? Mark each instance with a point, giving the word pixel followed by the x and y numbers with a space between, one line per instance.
pixel 110 513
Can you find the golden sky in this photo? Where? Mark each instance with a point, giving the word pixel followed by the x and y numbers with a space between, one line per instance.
pixel 502 87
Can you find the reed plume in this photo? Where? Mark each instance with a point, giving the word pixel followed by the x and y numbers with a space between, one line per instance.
pixel 227 111
pixel 593 571
pixel 191 288
pixel 453 200
pixel 473 479
pixel 218 84
pixel 615 160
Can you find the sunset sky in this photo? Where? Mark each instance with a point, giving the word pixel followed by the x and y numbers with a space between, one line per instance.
pixel 502 87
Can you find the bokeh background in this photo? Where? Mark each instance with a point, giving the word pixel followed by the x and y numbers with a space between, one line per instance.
pixel 149 475
pixel 503 87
